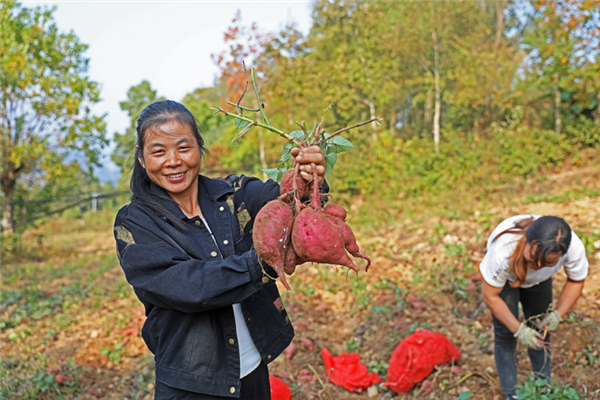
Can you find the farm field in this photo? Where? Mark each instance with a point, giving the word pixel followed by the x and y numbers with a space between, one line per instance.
pixel 69 316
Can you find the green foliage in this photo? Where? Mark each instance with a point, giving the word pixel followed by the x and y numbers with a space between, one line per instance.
pixel 524 150
pixel 113 354
pixel 331 144
pixel 44 381
pixel 47 129
pixel 72 213
pixel 541 389
pixel 416 325
pixel 352 346
pixel 138 98
pixel 463 395
pixel 584 132
pixel 37 379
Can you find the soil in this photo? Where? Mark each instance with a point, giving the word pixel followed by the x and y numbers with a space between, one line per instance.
pixel 415 281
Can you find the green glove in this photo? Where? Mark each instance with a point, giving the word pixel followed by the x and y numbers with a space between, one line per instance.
pixel 551 320
pixel 529 337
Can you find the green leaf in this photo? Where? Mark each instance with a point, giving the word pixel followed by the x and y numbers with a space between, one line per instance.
pixel 298 134
pixel 337 144
pixel 341 144
pixel 273 173
pixel 330 160
pixel 240 123
pixel 287 152
pixel 465 395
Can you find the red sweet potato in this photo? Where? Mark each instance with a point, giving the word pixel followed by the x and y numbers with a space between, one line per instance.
pixel 271 235
pixel 335 211
pixel 316 239
pixel 287 184
pixel 323 238
pixel 291 259
pixel 349 239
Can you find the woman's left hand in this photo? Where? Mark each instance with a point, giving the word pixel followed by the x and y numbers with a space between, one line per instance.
pixel 550 321
pixel 307 156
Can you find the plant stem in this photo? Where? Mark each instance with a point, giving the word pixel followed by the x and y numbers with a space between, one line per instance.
pixel 242 107
pixel 352 127
pixel 316 374
pixel 262 111
pixel 268 127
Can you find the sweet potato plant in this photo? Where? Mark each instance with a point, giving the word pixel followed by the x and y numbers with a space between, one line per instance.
pixel 295 228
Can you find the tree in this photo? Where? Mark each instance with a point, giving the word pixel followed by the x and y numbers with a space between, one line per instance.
pixel 46 125
pixel 437 30
pixel 560 36
pixel 245 45
pixel 350 62
pixel 138 98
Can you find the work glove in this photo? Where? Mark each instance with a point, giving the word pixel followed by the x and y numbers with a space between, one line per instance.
pixel 551 320
pixel 529 337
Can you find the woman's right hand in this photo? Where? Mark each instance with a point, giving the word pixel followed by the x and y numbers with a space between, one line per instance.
pixel 529 337
pixel 306 157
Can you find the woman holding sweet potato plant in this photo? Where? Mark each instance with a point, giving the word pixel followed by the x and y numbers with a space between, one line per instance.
pixel 523 253
pixel 214 314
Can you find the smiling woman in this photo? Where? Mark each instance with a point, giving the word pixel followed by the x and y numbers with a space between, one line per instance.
pixel 523 253
pixel 171 158
pixel 215 317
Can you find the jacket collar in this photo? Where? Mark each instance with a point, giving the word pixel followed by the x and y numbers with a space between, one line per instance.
pixel 213 189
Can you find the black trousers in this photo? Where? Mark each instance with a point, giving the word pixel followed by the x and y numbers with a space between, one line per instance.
pixel 255 386
pixel 535 300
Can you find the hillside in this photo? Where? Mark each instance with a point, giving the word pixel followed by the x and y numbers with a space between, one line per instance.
pixel 67 309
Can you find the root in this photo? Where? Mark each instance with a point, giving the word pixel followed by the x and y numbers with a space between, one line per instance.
pixel 263 269
pixel 315 200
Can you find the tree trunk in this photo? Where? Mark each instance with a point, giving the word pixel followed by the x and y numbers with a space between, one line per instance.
pixel 500 6
pixel 8 189
pixel 438 93
pixel 428 108
pixel 557 103
pixel 371 105
pixel 374 123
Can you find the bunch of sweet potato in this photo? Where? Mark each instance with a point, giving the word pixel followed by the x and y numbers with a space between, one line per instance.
pixel 288 233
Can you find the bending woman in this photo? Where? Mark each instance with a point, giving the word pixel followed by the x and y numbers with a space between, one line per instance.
pixel 214 315
pixel 523 253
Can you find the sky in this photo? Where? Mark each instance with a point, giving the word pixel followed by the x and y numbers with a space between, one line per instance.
pixel 168 43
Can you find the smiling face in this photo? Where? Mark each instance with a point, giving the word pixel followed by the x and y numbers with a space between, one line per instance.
pixel 171 157
pixel 529 256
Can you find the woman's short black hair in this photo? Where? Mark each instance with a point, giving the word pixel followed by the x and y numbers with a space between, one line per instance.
pixel 548 234
pixel 151 118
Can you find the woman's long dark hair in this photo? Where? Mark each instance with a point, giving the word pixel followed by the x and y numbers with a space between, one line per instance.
pixel 547 234
pixel 153 116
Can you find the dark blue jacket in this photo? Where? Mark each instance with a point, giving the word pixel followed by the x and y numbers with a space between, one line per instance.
pixel 188 284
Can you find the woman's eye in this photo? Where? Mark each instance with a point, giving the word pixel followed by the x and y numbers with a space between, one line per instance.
pixel 184 148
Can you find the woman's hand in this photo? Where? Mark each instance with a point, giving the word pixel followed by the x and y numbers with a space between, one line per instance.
pixel 529 337
pixel 491 297
pixel 307 156
pixel 550 321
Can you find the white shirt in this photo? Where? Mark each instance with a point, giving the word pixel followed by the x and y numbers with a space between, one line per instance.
pixel 495 264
